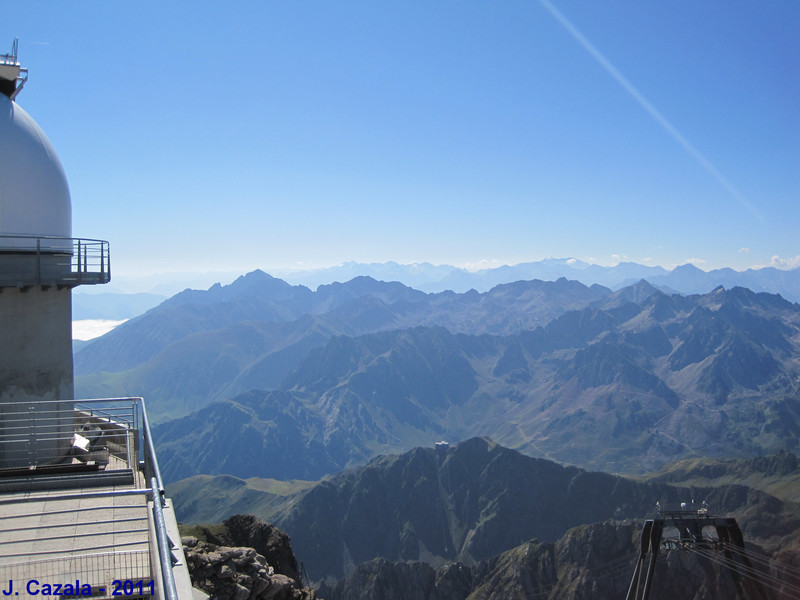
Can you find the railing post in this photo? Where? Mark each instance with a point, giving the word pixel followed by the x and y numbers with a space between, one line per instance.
pixel 39 261
pixel 31 436
pixel 78 262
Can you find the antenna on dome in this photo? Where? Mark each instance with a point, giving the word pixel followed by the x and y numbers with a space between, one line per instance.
pixel 12 75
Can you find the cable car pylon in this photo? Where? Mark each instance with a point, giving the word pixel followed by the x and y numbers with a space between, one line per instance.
pixel 690 520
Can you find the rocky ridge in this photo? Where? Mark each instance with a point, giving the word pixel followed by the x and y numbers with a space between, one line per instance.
pixel 590 561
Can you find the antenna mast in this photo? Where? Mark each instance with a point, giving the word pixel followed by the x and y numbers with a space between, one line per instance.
pixel 12 75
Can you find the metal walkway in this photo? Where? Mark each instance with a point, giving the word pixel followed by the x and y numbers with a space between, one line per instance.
pixel 96 516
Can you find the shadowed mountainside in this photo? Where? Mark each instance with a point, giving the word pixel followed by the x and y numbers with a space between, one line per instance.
pixel 461 503
pixel 589 561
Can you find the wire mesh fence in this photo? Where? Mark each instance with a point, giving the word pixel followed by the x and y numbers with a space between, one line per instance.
pixel 101 575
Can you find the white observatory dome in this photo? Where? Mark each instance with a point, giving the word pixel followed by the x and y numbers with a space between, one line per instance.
pixel 34 194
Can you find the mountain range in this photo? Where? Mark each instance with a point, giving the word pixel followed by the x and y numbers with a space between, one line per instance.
pixel 201 346
pixel 633 380
pixel 684 279
pixel 263 392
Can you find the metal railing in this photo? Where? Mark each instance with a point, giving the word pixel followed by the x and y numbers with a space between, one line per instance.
pixel 165 545
pixel 48 436
pixel 28 260
pixel 63 435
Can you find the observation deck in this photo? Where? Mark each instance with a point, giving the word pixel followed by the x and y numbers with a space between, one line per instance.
pixel 29 260
pixel 84 502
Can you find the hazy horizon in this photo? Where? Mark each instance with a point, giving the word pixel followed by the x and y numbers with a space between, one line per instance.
pixel 171 282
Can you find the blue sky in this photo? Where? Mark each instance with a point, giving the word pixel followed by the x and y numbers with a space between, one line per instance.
pixel 231 136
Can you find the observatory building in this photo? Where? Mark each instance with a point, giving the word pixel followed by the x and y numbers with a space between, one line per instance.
pixel 81 498
pixel 40 263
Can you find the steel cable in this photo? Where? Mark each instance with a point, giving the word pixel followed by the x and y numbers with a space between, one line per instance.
pixel 765 579
pixel 763 559
pixel 610 569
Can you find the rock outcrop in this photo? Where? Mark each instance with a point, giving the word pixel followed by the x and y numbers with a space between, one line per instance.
pixel 267 540
pixel 247 559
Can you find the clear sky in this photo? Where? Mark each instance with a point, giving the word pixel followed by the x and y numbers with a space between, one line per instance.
pixel 238 135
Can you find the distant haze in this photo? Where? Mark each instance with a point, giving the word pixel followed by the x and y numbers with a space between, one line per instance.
pixel 89 329
pixel 428 277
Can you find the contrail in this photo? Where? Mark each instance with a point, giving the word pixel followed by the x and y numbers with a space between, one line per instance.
pixel 652 110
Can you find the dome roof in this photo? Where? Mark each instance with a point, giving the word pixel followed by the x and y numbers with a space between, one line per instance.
pixel 34 194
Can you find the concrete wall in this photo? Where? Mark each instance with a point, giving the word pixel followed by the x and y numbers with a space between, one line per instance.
pixel 35 364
